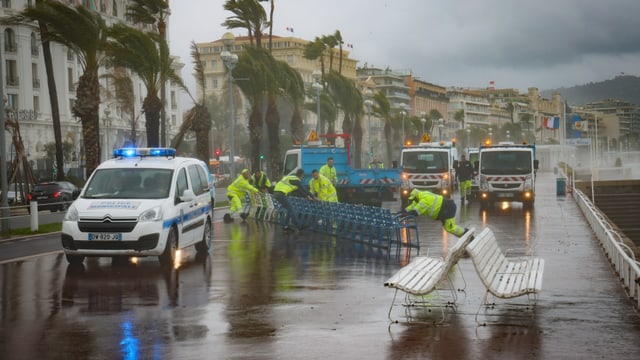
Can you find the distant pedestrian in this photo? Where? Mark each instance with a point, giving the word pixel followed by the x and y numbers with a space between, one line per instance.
pixel 376 164
pixel 464 173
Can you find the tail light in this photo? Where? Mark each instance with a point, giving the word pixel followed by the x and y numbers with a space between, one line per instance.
pixel 56 194
pixel 29 197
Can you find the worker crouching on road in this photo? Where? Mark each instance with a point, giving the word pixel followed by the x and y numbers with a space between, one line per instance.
pixel 291 185
pixel 436 207
pixel 322 188
pixel 236 192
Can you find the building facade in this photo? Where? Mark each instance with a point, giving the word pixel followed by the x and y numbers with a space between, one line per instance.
pixel 27 94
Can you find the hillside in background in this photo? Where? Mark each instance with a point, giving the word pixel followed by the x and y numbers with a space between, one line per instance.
pixel 623 87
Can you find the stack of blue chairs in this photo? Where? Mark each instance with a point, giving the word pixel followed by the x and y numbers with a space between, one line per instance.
pixel 374 226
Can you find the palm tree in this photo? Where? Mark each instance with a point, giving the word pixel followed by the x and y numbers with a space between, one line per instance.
pixel 315 50
pixel 147 56
pixel 459 116
pixel 198 118
pixel 249 15
pixel 85 33
pixel 382 109
pixel 155 12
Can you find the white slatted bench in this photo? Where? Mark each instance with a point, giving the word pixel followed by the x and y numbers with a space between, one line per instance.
pixel 425 274
pixel 504 277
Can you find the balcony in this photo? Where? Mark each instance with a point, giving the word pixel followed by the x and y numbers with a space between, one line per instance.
pixel 36 83
pixel 13 80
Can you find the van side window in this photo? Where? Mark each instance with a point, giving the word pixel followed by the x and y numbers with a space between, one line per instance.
pixel 181 184
pixel 196 184
pixel 204 178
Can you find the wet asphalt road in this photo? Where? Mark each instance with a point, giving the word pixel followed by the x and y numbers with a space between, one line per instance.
pixel 265 295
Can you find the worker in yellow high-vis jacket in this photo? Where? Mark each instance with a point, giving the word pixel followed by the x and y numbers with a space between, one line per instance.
pixel 322 188
pixel 436 207
pixel 291 185
pixel 329 171
pixel 235 192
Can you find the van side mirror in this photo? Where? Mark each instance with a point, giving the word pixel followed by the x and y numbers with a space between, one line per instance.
pixel 535 164
pixel 187 195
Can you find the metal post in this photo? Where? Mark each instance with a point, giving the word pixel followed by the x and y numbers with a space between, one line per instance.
pixel 232 157
pixel 3 163
pixel 107 123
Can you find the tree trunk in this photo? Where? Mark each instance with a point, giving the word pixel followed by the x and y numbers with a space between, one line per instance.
pixel 255 132
pixel 202 128
pixel 53 99
pixel 389 142
pixel 273 133
pixel 297 126
pixel 151 107
pixel 87 108
pixel 357 137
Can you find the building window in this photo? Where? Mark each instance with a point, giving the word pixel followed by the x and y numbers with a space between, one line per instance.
pixel 174 103
pixel 69 55
pixel 70 79
pixel 115 8
pixel 34 76
pixel 214 64
pixel 214 83
pixel 103 6
pixel 173 120
pixel 290 59
pixel 34 45
pixel 72 104
pixel 36 103
pixel 12 102
pixel 12 73
pixel 6 4
pixel 10 41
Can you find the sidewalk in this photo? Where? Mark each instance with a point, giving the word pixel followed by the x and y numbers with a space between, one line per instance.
pixel 582 312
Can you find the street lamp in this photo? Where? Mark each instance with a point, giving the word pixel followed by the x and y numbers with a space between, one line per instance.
pixel 423 115
pixel 230 60
pixel 440 127
pixel 317 86
pixel 490 136
pixel 508 135
pixel 404 109
pixel 107 122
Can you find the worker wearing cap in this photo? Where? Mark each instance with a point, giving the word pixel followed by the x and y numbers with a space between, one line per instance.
pixel 329 171
pixel 322 188
pixel 236 191
pixel 436 207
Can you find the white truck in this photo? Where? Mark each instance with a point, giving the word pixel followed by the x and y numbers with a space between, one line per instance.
pixel 428 166
pixel 507 173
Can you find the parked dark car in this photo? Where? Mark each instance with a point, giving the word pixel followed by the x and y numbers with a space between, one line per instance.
pixel 54 195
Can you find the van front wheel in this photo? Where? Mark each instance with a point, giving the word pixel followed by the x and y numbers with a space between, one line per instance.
pixel 168 256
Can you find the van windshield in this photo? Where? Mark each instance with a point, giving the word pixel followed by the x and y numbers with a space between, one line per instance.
pixel 129 184
pixel 425 161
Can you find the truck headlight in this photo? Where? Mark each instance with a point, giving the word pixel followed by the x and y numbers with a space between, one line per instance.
pixel 153 214
pixel 528 184
pixel 484 185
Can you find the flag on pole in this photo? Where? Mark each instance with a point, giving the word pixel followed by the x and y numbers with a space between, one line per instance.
pixel 581 125
pixel 552 122
pixel 289 29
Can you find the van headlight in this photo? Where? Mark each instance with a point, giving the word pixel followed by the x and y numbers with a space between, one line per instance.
pixel 153 214
pixel 71 215
pixel 528 183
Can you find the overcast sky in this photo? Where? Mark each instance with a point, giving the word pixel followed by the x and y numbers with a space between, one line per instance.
pixel 468 43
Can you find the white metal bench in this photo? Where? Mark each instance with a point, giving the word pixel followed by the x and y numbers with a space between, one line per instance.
pixel 425 274
pixel 504 277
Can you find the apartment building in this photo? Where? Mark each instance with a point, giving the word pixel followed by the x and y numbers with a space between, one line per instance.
pixel 27 94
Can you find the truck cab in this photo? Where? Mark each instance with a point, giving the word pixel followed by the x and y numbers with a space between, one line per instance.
pixel 356 186
pixel 507 172
pixel 428 166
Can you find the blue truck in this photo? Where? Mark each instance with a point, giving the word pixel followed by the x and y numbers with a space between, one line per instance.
pixel 355 186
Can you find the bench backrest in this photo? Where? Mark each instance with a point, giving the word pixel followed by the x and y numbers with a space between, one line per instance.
pixel 487 257
pixel 457 250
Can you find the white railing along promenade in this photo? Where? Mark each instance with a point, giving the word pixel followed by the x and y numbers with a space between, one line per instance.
pixel 620 255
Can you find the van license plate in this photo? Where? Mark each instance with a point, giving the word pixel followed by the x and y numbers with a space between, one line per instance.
pixel 105 236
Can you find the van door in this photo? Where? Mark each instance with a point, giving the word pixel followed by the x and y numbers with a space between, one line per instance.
pixel 199 206
pixel 183 208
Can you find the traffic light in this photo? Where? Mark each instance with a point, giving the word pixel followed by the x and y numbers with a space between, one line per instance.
pixel 217 154
pixel 261 157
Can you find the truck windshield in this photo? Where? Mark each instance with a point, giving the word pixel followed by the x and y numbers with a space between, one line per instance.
pixel 505 162
pixel 425 161
pixel 129 184
pixel 290 164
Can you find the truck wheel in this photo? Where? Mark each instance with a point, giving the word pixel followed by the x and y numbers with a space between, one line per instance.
pixel 527 205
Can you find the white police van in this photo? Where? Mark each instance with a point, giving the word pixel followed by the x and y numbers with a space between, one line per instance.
pixel 144 202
